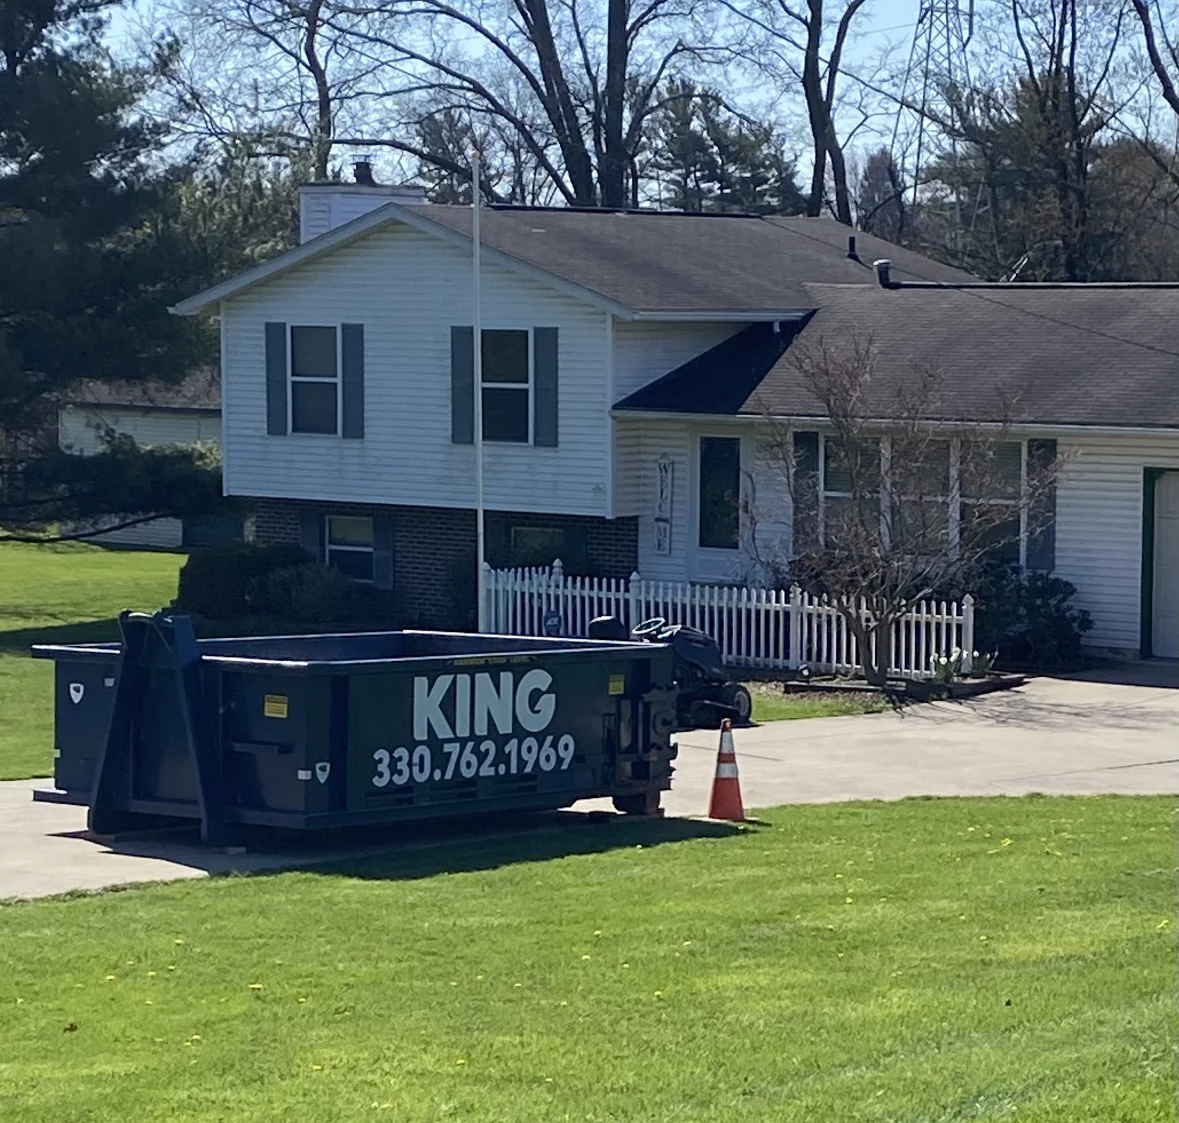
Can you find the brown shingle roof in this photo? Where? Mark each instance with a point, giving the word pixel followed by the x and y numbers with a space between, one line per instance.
pixel 1104 355
pixel 666 262
pixel 1095 355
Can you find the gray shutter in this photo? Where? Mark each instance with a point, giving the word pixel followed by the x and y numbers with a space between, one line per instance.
pixel 462 385
pixel 1041 469
pixel 311 534
pixel 383 551
pixel 352 362
pixel 544 388
pixel 806 490
pixel 276 379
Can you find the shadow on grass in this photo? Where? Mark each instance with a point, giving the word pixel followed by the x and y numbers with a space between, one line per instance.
pixel 18 640
pixel 416 850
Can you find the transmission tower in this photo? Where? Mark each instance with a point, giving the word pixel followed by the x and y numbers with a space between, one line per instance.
pixel 937 64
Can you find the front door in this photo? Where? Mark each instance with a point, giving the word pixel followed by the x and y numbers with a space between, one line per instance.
pixel 1165 625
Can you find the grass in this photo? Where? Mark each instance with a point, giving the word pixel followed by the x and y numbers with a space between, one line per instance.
pixel 770 704
pixel 937 960
pixel 58 594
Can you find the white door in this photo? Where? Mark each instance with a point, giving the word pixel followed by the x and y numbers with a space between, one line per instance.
pixel 1165 627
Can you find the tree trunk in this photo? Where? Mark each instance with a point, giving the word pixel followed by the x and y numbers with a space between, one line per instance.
pixel 839 175
pixel 816 107
pixel 559 106
pixel 612 165
pixel 322 139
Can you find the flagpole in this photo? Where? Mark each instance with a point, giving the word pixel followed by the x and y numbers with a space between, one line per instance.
pixel 477 343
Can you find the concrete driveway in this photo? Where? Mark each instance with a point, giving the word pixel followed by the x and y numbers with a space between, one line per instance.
pixel 1057 736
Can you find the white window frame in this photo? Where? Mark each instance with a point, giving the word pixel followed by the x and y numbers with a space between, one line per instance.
pixel 529 386
pixel 292 378
pixel 954 499
pixel 328 548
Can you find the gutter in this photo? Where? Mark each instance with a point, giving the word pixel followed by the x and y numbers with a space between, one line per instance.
pixel 1032 427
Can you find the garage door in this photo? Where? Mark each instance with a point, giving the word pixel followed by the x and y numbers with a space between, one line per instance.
pixel 1165 629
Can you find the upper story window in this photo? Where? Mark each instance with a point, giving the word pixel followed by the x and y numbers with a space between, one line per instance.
pixel 507 386
pixel 348 545
pixel 518 387
pixel 315 380
pixel 720 493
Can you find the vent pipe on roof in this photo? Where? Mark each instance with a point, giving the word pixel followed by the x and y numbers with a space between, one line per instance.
pixel 851 248
pixel 883 269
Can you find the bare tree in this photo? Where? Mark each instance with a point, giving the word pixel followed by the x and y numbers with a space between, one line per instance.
pixel 889 511
pixel 801 46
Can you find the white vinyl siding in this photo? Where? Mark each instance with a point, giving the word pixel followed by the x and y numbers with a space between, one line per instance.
pixel 1099 529
pixel 79 430
pixel 408 289
pixel 644 352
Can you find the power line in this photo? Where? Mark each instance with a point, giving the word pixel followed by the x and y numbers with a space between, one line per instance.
pixel 979 294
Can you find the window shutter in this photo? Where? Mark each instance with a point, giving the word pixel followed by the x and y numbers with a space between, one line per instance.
pixel 383 551
pixel 462 385
pixel 1041 548
pixel 544 389
pixel 352 363
pixel 311 534
pixel 276 379
pixel 806 489
pixel 497 542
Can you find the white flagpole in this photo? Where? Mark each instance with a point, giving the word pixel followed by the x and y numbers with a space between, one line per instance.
pixel 477 338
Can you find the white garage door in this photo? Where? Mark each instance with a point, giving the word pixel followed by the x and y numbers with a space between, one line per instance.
pixel 1165 628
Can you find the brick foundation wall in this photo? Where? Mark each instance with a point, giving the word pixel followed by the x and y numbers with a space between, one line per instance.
pixel 434 550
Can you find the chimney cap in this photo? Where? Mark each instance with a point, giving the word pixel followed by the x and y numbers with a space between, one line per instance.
pixel 883 269
pixel 362 169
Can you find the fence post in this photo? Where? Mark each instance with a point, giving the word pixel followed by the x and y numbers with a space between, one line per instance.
pixel 557 587
pixel 635 604
pixel 485 613
pixel 968 633
pixel 795 627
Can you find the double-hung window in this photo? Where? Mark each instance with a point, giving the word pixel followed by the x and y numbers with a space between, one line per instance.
pixel 348 545
pixel 850 471
pixel 992 513
pixel 507 386
pixel 920 493
pixel 315 380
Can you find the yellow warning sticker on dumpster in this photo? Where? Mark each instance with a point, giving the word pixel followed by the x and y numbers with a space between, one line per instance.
pixel 617 684
pixel 274 705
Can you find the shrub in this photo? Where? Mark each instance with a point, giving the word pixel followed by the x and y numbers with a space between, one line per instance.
pixel 1029 620
pixel 318 594
pixel 215 582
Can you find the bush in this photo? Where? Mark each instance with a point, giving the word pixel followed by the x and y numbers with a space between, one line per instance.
pixel 216 582
pixel 318 594
pixel 1029 620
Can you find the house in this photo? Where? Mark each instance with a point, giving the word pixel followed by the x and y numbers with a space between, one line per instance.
pixel 631 364
pixel 159 413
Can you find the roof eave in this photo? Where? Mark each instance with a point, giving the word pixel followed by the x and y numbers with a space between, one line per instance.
pixel 720 315
pixel 1047 428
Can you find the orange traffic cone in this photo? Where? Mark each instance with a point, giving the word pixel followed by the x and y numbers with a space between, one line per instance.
pixel 726 785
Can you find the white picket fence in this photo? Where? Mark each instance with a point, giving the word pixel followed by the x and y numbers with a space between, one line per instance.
pixel 773 629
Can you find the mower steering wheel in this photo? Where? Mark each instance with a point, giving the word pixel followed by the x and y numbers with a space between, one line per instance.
pixel 649 628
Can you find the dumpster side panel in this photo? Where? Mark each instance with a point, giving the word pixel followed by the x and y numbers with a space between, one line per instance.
pixel 484 731
pixel 83 696
pixel 278 742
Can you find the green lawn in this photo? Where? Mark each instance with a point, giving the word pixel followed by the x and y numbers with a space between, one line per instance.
pixel 61 593
pixel 935 960
pixel 770 704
